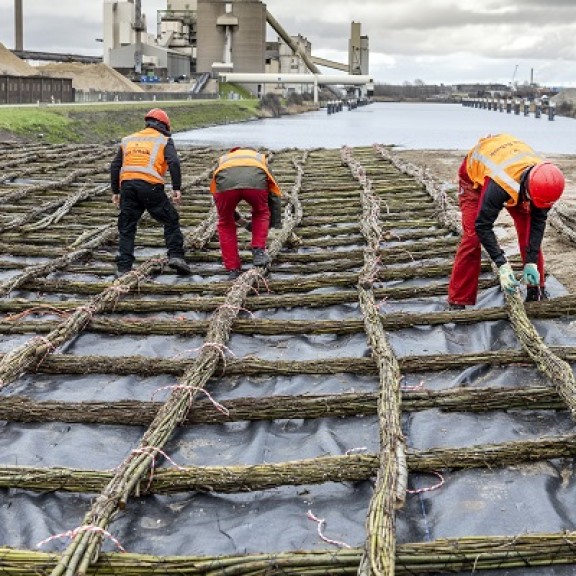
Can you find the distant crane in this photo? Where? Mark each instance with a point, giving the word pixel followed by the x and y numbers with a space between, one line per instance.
pixel 513 84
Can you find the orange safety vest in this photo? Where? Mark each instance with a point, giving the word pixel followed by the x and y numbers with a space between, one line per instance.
pixel 245 157
pixel 503 158
pixel 143 156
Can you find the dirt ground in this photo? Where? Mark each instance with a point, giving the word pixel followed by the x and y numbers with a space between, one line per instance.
pixel 559 254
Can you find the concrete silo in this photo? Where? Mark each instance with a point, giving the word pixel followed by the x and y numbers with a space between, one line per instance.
pixel 231 36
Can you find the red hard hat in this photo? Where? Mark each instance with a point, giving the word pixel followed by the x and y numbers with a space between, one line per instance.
pixel 160 115
pixel 545 184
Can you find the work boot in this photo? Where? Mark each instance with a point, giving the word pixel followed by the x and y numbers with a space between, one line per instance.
pixel 536 293
pixel 122 272
pixel 180 265
pixel 260 257
pixel 452 306
pixel 233 274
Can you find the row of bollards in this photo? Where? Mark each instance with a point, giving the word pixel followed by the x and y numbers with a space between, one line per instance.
pixel 538 107
pixel 334 106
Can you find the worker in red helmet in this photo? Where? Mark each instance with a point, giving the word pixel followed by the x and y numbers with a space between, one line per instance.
pixel 503 172
pixel 243 174
pixel 137 179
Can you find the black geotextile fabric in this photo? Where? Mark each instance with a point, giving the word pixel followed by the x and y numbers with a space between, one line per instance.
pixel 510 501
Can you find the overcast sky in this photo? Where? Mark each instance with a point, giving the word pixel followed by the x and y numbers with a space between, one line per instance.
pixel 436 41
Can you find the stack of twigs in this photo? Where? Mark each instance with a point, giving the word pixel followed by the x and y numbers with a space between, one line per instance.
pixel 390 490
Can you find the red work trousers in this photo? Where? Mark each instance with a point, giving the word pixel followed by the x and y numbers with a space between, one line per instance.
pixel 226 202
pixel 463 288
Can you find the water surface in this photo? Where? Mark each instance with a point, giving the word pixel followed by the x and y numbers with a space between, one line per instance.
pixel 412 126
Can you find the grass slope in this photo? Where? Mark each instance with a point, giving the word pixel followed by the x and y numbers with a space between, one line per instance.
pixel 102 123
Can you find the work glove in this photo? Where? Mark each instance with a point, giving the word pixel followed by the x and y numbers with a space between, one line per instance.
pixel 531 276
pixel 508 281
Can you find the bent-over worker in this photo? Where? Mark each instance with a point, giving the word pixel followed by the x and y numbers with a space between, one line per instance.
pixel 244 174
pixel 500 172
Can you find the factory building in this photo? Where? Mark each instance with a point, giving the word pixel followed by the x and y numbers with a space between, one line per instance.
pixel 211 37
pixel 176 27
pixel 281 59
pixel 231 36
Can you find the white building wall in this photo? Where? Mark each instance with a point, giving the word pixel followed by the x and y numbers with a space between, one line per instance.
pixel 117 26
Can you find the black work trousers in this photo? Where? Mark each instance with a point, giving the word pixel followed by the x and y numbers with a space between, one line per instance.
pixel 136 196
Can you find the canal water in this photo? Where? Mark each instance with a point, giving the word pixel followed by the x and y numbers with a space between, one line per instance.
pixel 410 126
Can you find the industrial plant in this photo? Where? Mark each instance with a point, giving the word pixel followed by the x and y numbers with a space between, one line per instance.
pixel 202 42
pixel 217 38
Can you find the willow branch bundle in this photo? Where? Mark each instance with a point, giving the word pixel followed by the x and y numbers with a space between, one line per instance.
pixel 390 489
pixel 59 263
pixel 90 238
pixel 430 262
pixel 347 235
pixel 557 370
pixel 22 357
pixel 49 206
pixel 248 478
pixel 135 413
pixel 208 304
pixel 566 212
pixel 207 227
pixel 292 212
pixel 447 213
pixel 85 546
pixel 66 364
pixel 84 194
pixel 69 179
pixel 439 556
pixel 204 231
pixel 9 161
pixel 404 215
pixel 390 322
pixel 562 219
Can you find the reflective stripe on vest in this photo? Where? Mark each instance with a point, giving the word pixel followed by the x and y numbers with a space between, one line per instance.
pixel 245 158
pixel 498 170
pixel 502 158
pixel 255 156
pixel 149 168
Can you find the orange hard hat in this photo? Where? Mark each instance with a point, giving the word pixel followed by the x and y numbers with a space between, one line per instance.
pixel 160 115
pixel 545 184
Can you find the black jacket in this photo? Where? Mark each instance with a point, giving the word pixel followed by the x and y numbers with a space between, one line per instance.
pixel 493 202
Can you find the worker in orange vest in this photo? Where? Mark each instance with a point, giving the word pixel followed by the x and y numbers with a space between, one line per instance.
pixel 137 179
pixel 244 174
pixel 503 172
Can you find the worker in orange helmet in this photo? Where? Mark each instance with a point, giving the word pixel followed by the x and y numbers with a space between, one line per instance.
pixel 137 179
pixel 503 172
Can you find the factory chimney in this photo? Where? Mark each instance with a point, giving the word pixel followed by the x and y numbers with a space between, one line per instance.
pixel 18 26
pixel 138 28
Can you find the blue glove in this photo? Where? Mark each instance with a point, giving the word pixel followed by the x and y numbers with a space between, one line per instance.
pixel 508 281
pixel 531 276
